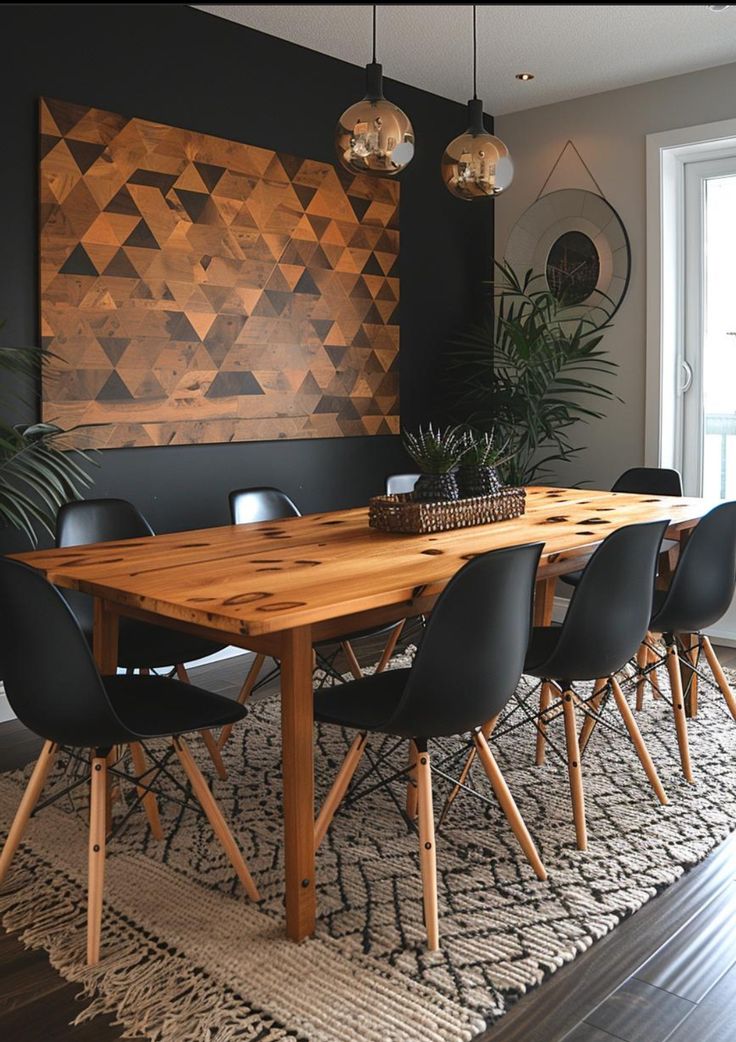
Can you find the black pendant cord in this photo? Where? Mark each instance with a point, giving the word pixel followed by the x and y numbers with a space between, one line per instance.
pixel 374 33
pixel 475 52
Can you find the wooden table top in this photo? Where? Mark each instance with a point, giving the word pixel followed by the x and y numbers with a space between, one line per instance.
pixel 268 577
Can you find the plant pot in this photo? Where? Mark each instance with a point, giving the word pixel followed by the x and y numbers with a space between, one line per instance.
pixel 479 481
pixel 436 488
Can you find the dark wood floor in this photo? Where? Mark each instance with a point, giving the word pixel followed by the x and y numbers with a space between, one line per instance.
pixel 667 974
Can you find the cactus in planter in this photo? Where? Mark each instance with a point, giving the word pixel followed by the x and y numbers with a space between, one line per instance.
pixel 436 453
pixel 478 474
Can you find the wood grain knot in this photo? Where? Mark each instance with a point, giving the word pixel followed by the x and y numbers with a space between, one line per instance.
pixel 246 598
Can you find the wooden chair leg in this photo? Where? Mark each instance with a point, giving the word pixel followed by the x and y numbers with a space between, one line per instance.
pixel 678 705
pixel 427 852
pixel 353 663
pixel 641 749
pixel 487 731
pixel 33 790
pixel 215 755
pixel 245 692
pixel 589 723
pixel 508 804
pixel 339 787
pixel 150 803
pixel 390 645
pixel 545 699
pixel 720 676
pixel 215 817
pixel 654 661
pixel 574 769
pixel 243 695
pixel 96 857
pixel 207 737
pixel 689 676
pixel 411 785
pixel 642 661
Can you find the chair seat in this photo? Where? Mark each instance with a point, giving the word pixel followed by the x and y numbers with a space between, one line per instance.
pixel 142 645
pixel 365 705
pixel 156 707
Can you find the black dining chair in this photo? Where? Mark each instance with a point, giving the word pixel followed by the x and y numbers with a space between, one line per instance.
pixel 141 645
pixel 466 669
pixel 700 593
pixel 605 622
pixel 398 484
pixel 646 481
pixel 55 689
pixel 265 503
pixel 641 481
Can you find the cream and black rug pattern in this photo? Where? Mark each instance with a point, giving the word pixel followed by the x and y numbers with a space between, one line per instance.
pixel 187 958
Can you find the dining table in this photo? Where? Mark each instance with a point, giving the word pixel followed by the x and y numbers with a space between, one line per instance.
pixel 279 587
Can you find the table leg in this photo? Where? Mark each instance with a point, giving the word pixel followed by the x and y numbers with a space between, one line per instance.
pixel 105 638
pixel 105 646
pixel 544 601
pixel 297 751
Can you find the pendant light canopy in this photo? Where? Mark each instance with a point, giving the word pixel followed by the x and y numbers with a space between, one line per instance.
pixel 374 136
pixel 476 164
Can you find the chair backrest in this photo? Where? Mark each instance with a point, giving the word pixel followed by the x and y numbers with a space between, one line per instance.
pixel 99 521
pixel 472 653
pixel 50 677
pixel 609 611
pixel 399 483
pixel 702 587
pixel 653 481
pixel 262 503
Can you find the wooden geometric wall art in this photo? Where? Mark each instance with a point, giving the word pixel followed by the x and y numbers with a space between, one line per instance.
pixel 202 290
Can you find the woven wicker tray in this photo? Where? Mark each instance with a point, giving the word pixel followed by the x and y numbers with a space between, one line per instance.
pixel 401 513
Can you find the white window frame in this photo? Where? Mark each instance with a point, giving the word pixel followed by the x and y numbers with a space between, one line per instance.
pixel 667 156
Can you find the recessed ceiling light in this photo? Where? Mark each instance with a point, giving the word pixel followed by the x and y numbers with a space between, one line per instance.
pixel 716 8
pixel 525 76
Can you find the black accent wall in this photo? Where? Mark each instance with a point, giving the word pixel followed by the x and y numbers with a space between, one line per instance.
pixel 187 68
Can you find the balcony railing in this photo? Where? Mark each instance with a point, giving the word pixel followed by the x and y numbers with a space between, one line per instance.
pixel 722 426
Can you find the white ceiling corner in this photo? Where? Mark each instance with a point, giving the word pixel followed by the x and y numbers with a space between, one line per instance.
pixel 573 50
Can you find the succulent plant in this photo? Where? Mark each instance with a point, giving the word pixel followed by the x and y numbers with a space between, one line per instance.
pixel 434 450
pixel 481 450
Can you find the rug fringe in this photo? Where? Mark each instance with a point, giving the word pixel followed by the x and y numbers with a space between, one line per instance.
pixel 150 989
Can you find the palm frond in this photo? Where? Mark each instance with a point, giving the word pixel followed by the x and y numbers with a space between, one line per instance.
pixel 41 466
pixel 532 369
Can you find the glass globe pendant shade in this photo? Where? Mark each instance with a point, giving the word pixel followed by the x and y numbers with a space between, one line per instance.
pixel 477 164
pixel 374 136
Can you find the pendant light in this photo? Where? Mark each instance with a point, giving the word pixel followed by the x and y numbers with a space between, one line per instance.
pixel 374 136
pixel 476 164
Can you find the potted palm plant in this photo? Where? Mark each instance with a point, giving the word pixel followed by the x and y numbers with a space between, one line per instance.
pixel 533 370
pixel 41 465
pixel 436 453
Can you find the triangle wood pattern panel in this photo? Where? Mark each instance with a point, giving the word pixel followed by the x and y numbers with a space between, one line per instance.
pixel 202 290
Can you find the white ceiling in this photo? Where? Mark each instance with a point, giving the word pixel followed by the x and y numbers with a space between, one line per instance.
pixel 572 50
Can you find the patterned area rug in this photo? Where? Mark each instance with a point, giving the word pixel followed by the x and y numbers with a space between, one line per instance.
pixel 186 958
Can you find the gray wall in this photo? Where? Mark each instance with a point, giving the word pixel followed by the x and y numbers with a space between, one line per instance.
pixel 609 130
